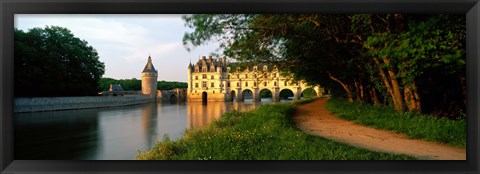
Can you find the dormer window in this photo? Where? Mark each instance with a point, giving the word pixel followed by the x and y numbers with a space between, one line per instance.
pixel 265 67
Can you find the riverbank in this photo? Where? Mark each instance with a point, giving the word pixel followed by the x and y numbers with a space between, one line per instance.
pixel 315 119
pixel 266 133
pixel 37 104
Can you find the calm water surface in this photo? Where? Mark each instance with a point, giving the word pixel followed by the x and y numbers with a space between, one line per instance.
pixel 111 133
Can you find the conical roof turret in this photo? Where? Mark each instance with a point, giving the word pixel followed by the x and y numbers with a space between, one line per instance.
pixel 149 66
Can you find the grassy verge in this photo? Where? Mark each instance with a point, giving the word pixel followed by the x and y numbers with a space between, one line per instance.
pixel 414 125
pixel 263 134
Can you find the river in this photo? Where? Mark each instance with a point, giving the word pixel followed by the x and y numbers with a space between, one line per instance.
pixel 115 133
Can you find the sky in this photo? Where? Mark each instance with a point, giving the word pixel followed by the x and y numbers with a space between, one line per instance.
pixel 124 42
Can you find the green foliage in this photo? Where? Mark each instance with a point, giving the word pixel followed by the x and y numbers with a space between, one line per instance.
pixel 415 125
pixel 308 93
pixel 136 85
pixel 51 61
pixel 337 52
pixel 164 85
pixel 264 134
pixel 127 84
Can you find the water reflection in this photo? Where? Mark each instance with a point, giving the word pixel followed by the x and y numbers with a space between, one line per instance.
pixel 200 114
pixel 111 133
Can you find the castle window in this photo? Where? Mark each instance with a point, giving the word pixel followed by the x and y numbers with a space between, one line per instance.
pixel 246 76
pixel 255 84
pixel 212 77
pixel 204 76
pixel 196 77
pixel 264 83
pixel 255 76
pixel 238 84
pixel 274 83
pixel 228 84
pixel 204 84
pixel 228 76
pixel 285 83
pixel 196 85
pixel 238 76
pixel 246 83
pixel 212 85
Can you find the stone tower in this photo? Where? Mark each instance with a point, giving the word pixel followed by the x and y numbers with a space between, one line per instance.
pixel 149 79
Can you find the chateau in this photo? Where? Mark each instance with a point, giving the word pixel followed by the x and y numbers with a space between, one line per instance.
pixel 215 80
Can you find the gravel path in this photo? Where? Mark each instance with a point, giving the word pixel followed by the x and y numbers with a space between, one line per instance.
pixel 315 119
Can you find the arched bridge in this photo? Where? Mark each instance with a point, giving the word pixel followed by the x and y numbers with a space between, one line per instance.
pixel 173 95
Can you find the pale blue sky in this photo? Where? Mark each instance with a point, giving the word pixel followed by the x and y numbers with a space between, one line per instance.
pixel 123 42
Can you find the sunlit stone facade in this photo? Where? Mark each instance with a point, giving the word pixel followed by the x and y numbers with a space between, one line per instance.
pixel 214 80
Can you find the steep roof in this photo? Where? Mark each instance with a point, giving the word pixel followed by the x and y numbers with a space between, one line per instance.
pixel 149 66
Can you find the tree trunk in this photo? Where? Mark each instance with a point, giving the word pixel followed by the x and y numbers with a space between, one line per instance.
pixel 345 87
pixel 357 90
pixel 412 97
pixel 374 96
pixel 392 86
pixel 362 94
pixel 417 97
pixel 397 100
pixel 409 99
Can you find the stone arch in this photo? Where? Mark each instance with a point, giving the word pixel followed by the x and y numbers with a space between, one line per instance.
pixel 247 94
pixel 173 98
pixel 286 93
pixel 232 95
pixel 309 92
pixel 265 93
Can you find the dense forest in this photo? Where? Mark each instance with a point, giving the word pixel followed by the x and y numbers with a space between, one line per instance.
pixel 136 85
pixel 409 62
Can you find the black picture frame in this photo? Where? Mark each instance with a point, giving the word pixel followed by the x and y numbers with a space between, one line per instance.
pixel 8 8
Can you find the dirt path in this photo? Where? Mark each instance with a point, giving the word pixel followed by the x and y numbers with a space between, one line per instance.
pixel 315 119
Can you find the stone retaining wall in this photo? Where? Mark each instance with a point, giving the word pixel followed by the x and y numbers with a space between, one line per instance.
pixel 65 103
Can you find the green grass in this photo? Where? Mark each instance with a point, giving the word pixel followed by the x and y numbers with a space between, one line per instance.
pixel 263 134
pixel 414 125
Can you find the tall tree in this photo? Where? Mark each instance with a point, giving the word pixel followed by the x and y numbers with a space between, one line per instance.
pixel 51 61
